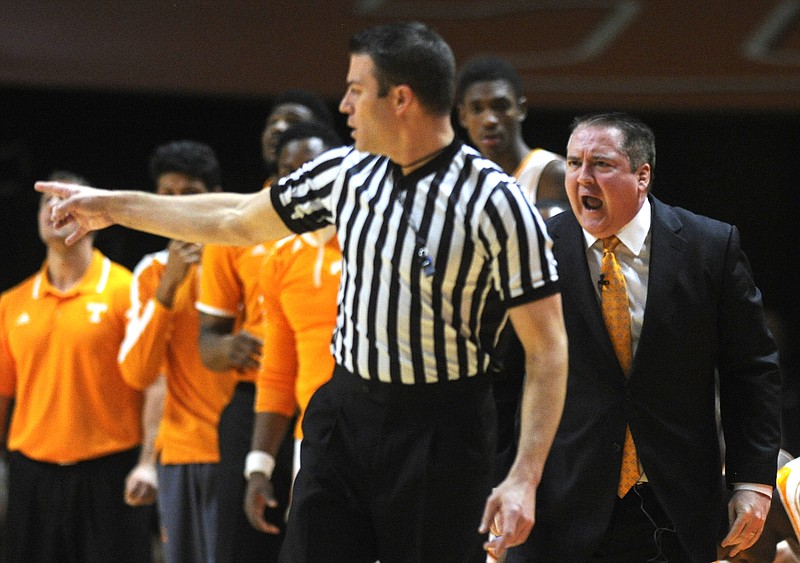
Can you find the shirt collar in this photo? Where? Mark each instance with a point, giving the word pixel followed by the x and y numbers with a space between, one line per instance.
pixel 93 281
pixel 631 235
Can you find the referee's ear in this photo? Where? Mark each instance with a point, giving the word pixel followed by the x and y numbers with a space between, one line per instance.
pixel 402 97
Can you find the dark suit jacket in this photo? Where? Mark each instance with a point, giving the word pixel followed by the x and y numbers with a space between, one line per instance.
pixel 703 314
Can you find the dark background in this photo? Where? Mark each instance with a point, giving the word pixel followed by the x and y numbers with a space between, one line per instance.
pixel 92 86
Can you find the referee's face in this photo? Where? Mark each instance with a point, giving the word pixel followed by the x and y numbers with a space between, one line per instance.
pixel 368 116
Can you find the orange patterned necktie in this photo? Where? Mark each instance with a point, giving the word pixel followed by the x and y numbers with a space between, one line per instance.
pixel 617 316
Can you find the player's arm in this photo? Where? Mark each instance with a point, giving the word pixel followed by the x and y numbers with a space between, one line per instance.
pixel 275 402
pixel 141 484
pixel 269 428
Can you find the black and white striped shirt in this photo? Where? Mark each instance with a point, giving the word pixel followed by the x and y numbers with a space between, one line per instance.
pixel 488 247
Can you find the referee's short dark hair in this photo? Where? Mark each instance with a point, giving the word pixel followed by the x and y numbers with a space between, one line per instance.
pixel 410 53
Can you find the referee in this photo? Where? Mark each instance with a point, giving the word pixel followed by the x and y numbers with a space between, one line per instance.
pixel 439 247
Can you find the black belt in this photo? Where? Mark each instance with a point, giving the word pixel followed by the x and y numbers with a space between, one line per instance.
pixel 382 391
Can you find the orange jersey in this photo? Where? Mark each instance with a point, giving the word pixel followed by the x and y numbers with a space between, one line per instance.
pixel 161 339
pixel 300 283
pixel 229 287
pixel 58 359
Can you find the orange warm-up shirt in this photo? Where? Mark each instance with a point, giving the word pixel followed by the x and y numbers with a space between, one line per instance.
pixel 58 358
pixel 229 288
pixel 300 283
pixel 165 340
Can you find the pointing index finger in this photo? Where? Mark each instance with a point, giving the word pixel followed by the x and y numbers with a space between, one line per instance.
pixel 56 188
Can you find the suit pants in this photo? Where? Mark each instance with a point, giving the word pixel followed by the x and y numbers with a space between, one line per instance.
pixel 640 531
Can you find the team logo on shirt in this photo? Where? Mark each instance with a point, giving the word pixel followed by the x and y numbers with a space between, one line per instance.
pixel 95 311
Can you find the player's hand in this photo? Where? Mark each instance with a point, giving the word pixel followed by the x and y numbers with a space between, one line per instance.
pixel 181 256
pixel 243 350
pixel 258 497
pixel 141 485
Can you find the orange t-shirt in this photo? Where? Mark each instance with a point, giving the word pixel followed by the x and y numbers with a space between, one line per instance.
pixel 300 283
pixel 58 358
pixel 161 339
pixel 229 287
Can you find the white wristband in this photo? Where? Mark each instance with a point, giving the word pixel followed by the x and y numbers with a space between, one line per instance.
pixel 258 461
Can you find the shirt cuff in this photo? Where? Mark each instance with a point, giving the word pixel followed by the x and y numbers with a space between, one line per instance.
pixel 757 487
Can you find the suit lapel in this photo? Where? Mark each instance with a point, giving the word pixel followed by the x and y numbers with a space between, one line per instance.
pixel 665 259
pixel 576 283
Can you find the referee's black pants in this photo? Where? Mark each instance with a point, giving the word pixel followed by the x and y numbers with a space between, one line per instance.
pixel 391 472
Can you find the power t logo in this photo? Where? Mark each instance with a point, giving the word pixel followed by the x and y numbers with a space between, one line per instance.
pixel 95 311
